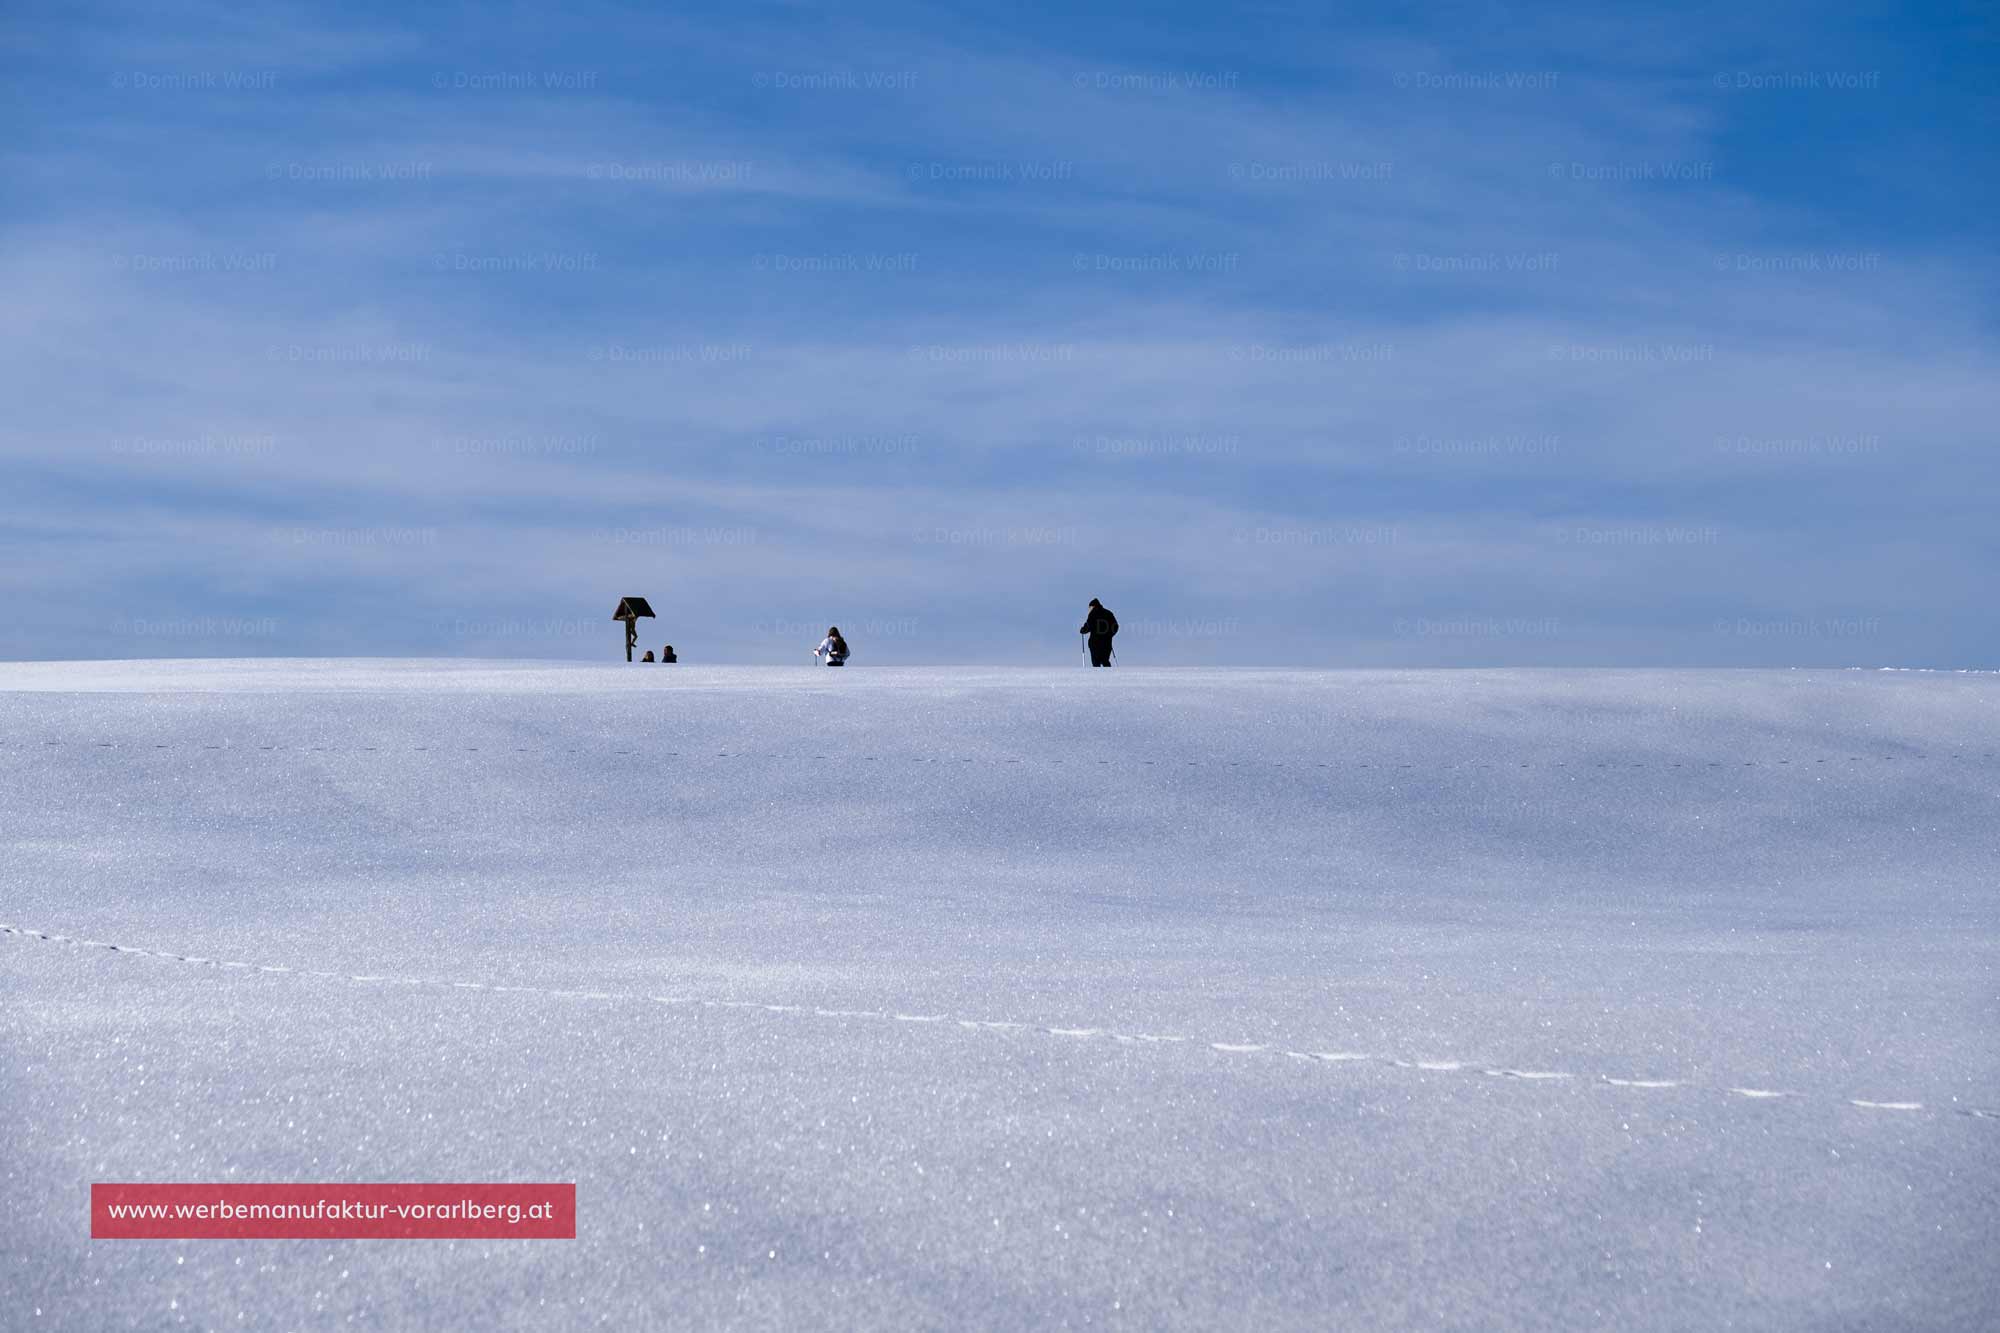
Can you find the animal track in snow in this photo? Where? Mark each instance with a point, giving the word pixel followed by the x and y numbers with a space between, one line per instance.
pixel 1237 1049
pixel 736 755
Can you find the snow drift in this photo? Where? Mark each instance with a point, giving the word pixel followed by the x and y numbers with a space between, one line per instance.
pixel 922 998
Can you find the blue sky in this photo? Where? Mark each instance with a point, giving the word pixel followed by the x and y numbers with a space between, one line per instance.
pixel 1429 336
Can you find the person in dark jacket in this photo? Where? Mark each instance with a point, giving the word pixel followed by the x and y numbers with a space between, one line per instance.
pixel 667 654
pixel 1102 627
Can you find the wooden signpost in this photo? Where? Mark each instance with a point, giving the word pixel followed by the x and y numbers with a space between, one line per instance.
pixel 629 610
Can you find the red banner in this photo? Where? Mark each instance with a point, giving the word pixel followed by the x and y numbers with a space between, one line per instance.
pixel 332 1212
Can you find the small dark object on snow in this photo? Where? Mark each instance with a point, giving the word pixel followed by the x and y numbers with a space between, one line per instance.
pixel 629 610
pixel 1101 627
pixel 648 657
pixel 667 654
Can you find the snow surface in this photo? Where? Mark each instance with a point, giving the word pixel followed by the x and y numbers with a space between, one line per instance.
pixel 1006 999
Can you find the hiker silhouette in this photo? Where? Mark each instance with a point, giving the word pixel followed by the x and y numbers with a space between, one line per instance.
pixel 1101 627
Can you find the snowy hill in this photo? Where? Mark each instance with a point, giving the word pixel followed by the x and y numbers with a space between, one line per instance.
pixel 955 998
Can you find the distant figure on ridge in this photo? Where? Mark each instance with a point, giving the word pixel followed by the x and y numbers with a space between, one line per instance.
pixel 832 649
pixel 1102 627
pixel 667 654
pixel 648 657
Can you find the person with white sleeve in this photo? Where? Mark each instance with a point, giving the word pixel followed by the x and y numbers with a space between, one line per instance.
pixel 832 650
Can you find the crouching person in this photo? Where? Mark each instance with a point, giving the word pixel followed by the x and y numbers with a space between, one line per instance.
pixel 832 650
